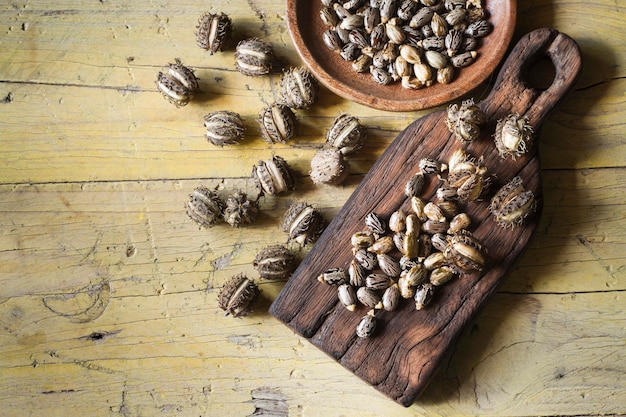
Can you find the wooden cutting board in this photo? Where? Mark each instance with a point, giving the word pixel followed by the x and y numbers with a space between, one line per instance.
pixel 409 345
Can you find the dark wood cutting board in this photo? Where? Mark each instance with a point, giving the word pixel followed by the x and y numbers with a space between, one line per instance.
pixel 409 345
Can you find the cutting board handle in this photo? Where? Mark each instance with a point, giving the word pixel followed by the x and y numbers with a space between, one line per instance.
pixel 513 87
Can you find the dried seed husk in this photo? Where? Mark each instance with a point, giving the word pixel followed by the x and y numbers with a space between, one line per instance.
pixel 411 83
pixel 391 298
pixel 378 281
pixel 368 297
pixel 214 32
pixel 299 88
pixel 464 121
pixel 240 210
pixel 429 166
pixel 465 253
pixel 346 134
pixel 303 223
pixel 334 276
pixel 254 57
pixel 329 167
pixel 278 123
pixel 512 203
pixel 205 207
pixel 388 265
pixel 274 262
pixel 347 296
pixel 238 296
pixel 423 295
pixel 224 128
pixel 514 135
pixel 273 176
pixel 441 275
pixel 367 325
pixel 177 83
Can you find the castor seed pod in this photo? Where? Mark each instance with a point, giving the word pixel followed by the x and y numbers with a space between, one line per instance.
pixel 278 123
pixel 239 210
pixel 465 253
pixel 238 296
pixel 347 296
pixel 177 83
pixel 224 128
pixel 273 176
pixel 274 262
pixel 205 207
pixel 254 57
pixel 423 295
pixel 329 167
pixel 303 223
pixel 368 297
pixel 513 136
pixel 464 121
pixel 299 88
pixel 367 325
pixel 346 134
pixel 512 203
pixel 214 32
pixel 391 298
pixel 334 276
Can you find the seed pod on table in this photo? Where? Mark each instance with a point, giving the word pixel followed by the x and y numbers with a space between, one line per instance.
pixel 274 262
pixel 254 57
pixel 329 167
pixel 299 88
pixel 514 136
pixel 278 123
pixel 347 296
pixel 273 176
pixel 465 253
pixel 238 296
pixel 391 298
pixel 512 203
pixel 333 276
pixel 465 120
pixel 205 207
pixel 367 325
pixel 303 223
pixel 240 210
pixel 224 128
pixel 214 32
pixel 346 134
pixel 177 83
pixel 423 295
pixel 429 166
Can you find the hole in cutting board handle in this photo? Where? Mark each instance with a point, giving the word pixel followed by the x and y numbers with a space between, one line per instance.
pixel 541 73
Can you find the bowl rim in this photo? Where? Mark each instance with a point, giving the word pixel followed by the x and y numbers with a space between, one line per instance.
pixel 326 65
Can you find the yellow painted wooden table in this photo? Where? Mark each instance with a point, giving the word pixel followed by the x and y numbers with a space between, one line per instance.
pixel 108 291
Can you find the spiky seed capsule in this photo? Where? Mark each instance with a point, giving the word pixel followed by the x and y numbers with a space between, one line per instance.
pixel 224 128
pixel 274 262
pixel 205 207
pixel 214 32
pixel 513 136
pixel 303 223
pixel 465 121
pixel 367 325
pixel 278 123
pixel 238 296
pixel 465 253
pixel 346 134
pixel 273 176
pixel 512 203
pixel 177 83
pixel 254 57
pixel 329 167
pixel 239 210
pixel 299 88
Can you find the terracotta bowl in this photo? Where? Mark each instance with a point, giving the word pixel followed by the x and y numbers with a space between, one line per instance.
pixel 306 28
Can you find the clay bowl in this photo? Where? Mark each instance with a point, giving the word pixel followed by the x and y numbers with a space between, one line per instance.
pixel 306 28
